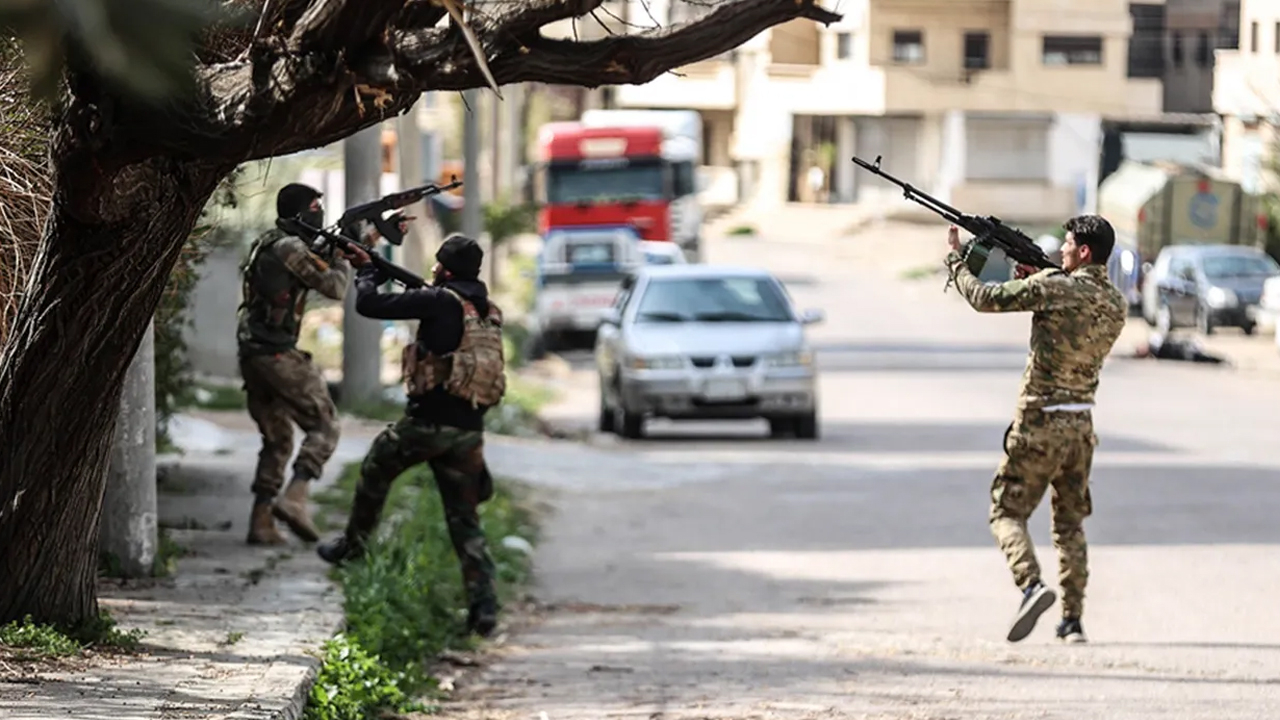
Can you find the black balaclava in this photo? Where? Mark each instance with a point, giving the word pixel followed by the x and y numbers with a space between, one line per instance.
pixel 294 201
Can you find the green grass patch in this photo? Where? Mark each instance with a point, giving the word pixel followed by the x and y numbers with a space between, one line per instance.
pixel 27 640
pixel 404 601
pixel 741 230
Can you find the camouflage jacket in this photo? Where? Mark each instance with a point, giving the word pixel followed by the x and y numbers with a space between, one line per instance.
pixel 1076 319
pixel 278 273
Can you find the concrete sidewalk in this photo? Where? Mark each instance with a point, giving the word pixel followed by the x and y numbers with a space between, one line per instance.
pixel 233 633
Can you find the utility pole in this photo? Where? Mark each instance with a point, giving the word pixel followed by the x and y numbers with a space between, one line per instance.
pixel 411 171
pixel 128 527
pixel 361 336
pixel 472 220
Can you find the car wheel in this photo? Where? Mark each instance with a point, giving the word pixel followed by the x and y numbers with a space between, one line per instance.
pixel 807 426
pixel 632 424
pixel 780 427
pixel 1249 327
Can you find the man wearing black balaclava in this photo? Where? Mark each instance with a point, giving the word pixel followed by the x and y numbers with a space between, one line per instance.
pixel 283 386
pixel 454 372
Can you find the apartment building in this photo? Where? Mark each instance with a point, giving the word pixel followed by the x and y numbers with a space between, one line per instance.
pixel 991 104
pixel 1185 37
pixel 1246 92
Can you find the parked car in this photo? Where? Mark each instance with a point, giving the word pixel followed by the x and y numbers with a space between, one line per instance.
pixel 662 252
pixel 1206 286
pixel 699 341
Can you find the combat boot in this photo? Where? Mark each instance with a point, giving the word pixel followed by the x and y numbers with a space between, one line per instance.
pixel 292 510
pixel 339 550
pixel 482 617
pixel 262 527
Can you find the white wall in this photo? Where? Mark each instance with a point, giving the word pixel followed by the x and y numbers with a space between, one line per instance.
pixel 1075 146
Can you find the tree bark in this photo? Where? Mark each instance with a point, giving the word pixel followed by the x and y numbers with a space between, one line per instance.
pixel 95 284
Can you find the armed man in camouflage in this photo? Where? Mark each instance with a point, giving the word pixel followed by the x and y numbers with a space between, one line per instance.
pixel 454 372
pixel 1077 316
pixel 283 385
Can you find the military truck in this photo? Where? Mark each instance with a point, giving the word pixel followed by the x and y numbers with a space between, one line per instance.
pixel 1152 205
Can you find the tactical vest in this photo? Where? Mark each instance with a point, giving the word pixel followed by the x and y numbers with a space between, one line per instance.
pixel 473 372
pixel 270 313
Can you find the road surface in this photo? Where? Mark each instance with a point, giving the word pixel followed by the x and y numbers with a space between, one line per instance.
pixel 714 573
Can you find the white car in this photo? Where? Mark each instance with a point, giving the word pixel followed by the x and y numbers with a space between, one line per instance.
pixel 657 252
pixel 707 342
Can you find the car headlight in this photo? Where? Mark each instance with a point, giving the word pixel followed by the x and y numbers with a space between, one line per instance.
pixel 1220 297
pixel 656 362
pixel 790 359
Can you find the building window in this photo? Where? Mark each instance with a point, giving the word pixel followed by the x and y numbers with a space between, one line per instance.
pixel 1175 49
pixel 908 47
pixel 1229 25
pixel 844 45
pixel 1253 36
pixel 1204 56
pixel 977 50
pixel 1072 50
pixel 1147 54
pixel 1278 37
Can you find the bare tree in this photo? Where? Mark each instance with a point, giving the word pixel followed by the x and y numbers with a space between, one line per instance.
pixel 131 175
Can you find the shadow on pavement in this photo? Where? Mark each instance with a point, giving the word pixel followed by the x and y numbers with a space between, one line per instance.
pixel 864 437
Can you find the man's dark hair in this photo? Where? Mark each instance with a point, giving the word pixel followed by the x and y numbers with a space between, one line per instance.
pixel 1095 232
pixel 294 198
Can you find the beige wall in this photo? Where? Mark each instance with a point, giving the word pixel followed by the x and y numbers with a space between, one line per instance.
pixel 795 43
pixel 943 26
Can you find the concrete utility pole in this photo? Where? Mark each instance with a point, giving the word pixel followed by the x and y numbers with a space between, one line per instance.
pixel 472 218
pixel 128 528
pixel 361 336
pixel 411 172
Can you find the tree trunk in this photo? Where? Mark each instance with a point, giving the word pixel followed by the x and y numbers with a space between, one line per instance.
pixel 107 250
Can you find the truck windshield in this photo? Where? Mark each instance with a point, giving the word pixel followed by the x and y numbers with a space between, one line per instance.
pixel 573 184
pixel 727 299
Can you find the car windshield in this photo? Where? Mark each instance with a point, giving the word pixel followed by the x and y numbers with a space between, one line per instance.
pixel 1225 266
pixel 730 299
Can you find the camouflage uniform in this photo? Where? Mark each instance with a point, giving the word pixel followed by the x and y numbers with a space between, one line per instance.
pixel 456 459
pixel 1077 318
pixel 282 383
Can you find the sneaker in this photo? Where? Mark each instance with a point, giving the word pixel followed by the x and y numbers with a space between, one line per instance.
pixel 1070 630
pixel 1035 600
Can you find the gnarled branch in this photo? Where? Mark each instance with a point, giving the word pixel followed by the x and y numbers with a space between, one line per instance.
pixel 278 103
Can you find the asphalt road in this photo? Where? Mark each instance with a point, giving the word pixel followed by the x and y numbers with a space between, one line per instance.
pixel 708 571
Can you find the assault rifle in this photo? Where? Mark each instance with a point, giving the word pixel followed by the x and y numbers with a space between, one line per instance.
pixel 388 228
pixel 330 238
pixel 988 232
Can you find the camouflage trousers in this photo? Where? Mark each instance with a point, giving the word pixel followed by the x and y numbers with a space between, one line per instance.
pixel 284 389
pixel 1046 450
pixel 456 458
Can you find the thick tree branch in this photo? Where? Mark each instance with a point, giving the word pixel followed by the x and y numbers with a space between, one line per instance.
pixel 275 104
pixel 343 24
pixel 618 60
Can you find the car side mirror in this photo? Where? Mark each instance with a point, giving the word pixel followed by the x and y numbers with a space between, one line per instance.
pixel 611 317
pixel 811 316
